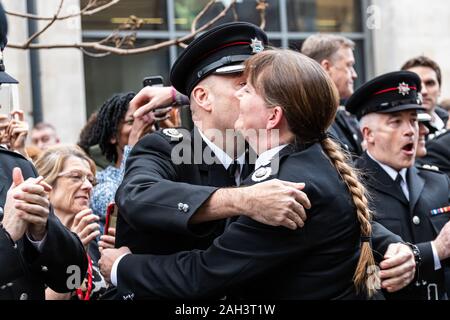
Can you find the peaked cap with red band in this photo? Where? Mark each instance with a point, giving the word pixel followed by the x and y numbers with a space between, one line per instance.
pixel 388 93
pixel 220 50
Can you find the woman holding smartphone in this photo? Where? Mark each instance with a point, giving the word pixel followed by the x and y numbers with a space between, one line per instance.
pixel 71 174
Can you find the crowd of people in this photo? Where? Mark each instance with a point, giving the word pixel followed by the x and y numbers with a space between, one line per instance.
pixel 292 185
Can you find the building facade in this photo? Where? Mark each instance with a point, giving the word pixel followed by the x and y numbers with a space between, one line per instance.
pixel 67 85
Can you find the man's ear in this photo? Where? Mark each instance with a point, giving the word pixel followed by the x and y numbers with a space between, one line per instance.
pixel 368 134
pixel 202 96
pixel 326 64
pixel 275 117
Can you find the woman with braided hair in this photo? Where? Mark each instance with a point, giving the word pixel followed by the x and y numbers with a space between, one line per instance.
pixel 115 131
pixel 285 108
pixel 293 96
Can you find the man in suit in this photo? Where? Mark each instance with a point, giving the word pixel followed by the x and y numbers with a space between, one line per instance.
pixel 36 250
pixel 408 201
pixel 431 78
pixel 335 54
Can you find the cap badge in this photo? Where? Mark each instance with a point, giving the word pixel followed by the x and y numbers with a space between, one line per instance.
pixel 257 45
pixel 403 89
pixel 261 174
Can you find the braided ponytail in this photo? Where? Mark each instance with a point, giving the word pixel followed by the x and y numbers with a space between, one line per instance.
pixel 362 279
pixel 309 100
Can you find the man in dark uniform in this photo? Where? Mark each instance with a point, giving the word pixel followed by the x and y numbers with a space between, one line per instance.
pixel 36 250
pixel 172 176
pixel 335 54
pixel 438 152
pixel 408 201
pixel 174 206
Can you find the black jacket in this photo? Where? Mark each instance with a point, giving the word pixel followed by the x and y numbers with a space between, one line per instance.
pixel 428 190
pixel 438 153
pixel 158 197
pixel 346 129
pixel 253 260
pixel 25 271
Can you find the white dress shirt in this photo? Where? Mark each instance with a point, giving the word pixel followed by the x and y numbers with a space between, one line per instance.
pixel 224 159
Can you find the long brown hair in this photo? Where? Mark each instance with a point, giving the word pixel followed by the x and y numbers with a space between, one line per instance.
pixel 309 100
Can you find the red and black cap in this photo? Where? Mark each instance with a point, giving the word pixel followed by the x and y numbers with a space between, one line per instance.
pixel 220 50
pixel 388 93
pixel 4 77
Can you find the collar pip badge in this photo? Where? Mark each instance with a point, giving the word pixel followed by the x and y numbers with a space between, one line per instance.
pixel 257 45
pixel 172 133
pixel 261 174
pixel 403 89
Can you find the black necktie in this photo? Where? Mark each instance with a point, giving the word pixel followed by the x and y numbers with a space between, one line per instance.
pixel 398 181
pixel 233 169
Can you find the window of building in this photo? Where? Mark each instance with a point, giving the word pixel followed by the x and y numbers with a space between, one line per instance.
pixel 288 24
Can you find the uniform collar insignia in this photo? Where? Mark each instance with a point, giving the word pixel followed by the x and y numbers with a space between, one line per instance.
pixel 261 174
pixel 172 133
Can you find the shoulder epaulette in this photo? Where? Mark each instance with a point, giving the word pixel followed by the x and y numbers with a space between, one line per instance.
pixel 174 134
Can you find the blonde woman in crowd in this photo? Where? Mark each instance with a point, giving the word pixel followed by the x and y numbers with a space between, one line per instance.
pixel 71 173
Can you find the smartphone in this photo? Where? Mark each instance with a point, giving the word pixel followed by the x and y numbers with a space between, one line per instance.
pixel 154 81
pixel 111 217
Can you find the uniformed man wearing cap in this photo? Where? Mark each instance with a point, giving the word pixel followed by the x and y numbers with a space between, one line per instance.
pixel 162 201
pixel 408 201
pixel 36 250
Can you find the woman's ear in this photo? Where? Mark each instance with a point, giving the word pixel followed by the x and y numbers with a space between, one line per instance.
pixel 276 116
pixel 202 96
pixel 113 140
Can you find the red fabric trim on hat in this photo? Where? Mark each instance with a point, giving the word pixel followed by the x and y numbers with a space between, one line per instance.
pixel 392 89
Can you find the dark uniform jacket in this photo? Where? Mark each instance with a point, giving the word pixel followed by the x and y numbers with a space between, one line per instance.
pixel 412 220
pixel 346 129
pixel 25 271
pixel 438 153
pixel 158 197
pixel 443 115
pixel 253 260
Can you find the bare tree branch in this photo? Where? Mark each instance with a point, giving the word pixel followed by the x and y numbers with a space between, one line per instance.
pixel 235 14
pixel 117 39
pixel 85 11
pixel 201 13
pixel 261 6
pixel 37 34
